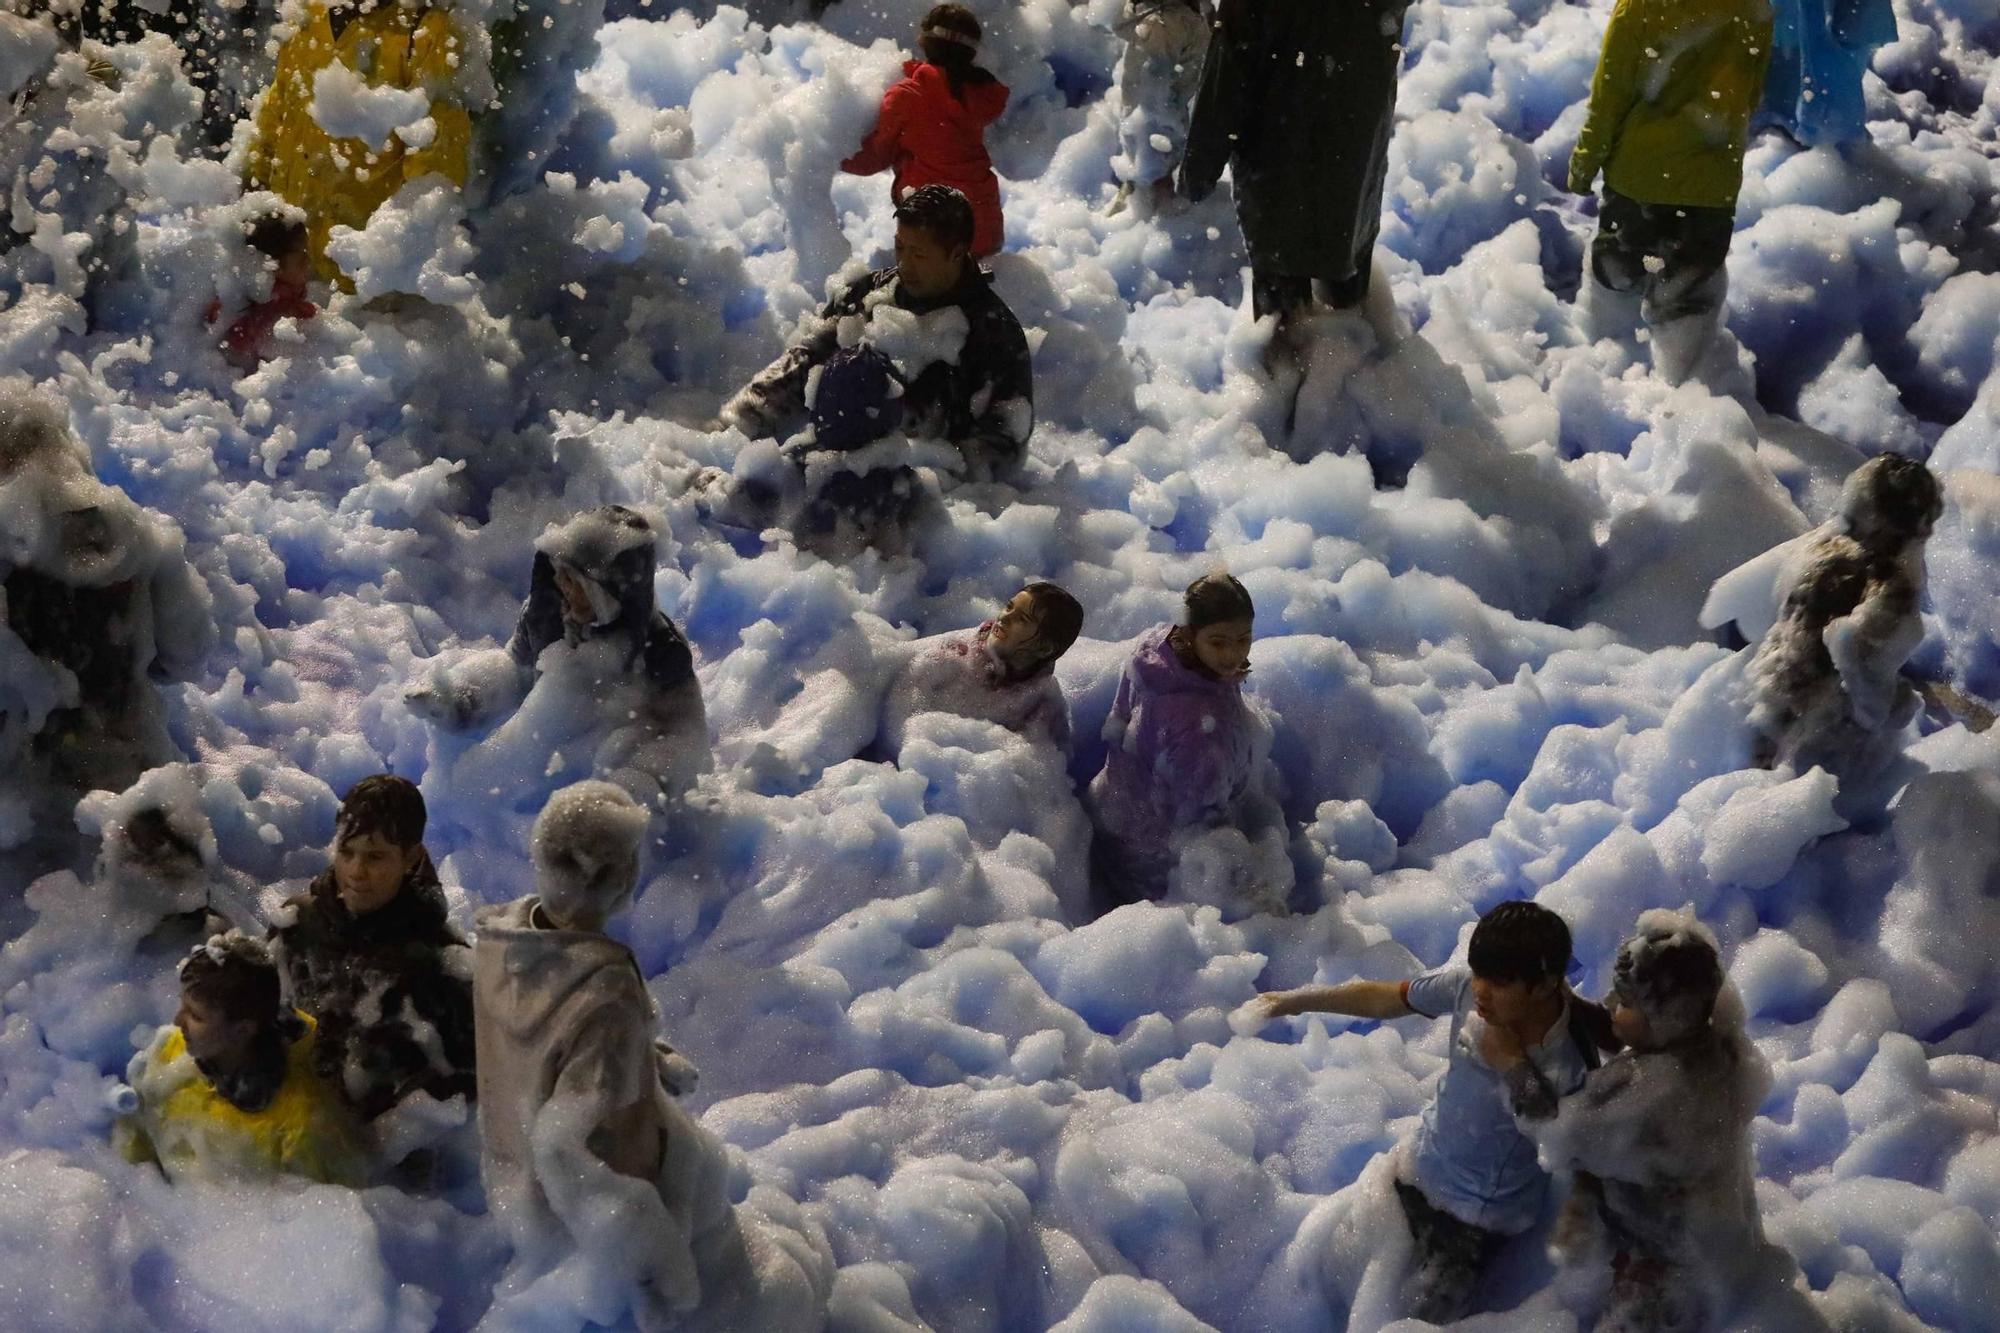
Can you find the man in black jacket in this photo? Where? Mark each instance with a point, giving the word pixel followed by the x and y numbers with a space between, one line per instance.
pixel 926 348
pixel 1300 100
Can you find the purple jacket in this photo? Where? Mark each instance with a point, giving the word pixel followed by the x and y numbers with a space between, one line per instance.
pixel 1181 752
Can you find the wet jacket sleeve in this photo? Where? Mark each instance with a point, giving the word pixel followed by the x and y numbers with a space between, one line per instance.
pixel 878 150
pixel 1869 646
pixel 1614 90
pixel 618 1219
pixel 435 48
pixel 1229 94
pixel 778 393
pixel 1003 399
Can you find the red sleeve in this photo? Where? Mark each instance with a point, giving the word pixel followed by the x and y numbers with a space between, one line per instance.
pixel 878 150
pixel 1403 992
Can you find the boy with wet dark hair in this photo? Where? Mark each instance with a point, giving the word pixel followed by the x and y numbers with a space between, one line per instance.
pixel 369 951
pixel 228 1089
pixel 1519 1039
pixel 1003 671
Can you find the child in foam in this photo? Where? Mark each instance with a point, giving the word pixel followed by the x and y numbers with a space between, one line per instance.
pixel 932 126
pixel 600 1178
pixel 369 953
pixel 1003 671
pixel 227 1090
pixel 280 237
pixel 1518 1034
pixel 594 670
pixel 1185 749
pixel 1833 616
pixel 1659 1139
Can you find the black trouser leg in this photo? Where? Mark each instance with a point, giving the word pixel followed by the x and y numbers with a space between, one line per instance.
pixel 1280 294
pixel 1450 1256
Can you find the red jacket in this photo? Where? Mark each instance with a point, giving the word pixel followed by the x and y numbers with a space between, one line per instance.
pixel 247 341
pixel 931 137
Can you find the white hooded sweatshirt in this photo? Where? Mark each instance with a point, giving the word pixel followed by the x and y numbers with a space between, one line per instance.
pixel 614 1196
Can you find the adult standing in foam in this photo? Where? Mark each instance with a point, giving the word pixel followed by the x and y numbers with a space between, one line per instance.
pixel 1165 41
pixel 1184 746
pixel 1669 120
pixel 1003 671
pixel 611 1193
pixel 396 46
pixel 1471 1178
pixel 1659 1139
pixel 1820 50
pixel 931 129
pixel 1299 100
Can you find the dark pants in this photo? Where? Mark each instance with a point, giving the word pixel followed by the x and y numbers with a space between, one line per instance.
pixel 1686 246
pixel 1287 295
pixel 1450 1257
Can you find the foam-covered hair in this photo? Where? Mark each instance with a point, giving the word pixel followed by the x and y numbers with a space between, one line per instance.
pixel 1892 496
pixel 586 851
pixel 1670 970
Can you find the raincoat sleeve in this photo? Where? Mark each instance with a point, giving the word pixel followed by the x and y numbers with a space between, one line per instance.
pixel 1869 646
pixel 1229 94
pixel 878 150
pixel 620 1222
pixel 436 49
pixel 1614 90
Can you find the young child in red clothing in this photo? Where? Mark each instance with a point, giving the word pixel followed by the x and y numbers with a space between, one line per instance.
pixel 281 238
pixel 932 125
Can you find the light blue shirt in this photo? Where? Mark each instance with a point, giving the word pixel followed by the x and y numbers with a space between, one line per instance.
pixel 1471 1160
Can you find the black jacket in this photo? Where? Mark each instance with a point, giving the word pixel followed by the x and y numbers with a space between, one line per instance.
pixel 658 647
pixel 1300 97
pixel 391 990
pixel 984 403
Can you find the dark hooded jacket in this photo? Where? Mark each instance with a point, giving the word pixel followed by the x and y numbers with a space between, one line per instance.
pixel 392 992
pixel 1300 98
pixel 983 402
pixel 613 546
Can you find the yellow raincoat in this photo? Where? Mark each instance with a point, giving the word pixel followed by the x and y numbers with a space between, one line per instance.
pixel 194 1133
pixel 1671 104
pixel 341 182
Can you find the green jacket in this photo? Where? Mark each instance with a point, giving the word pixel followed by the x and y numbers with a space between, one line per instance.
pixel 1670 106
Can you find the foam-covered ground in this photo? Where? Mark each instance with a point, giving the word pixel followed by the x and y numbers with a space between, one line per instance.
pixel 1486 677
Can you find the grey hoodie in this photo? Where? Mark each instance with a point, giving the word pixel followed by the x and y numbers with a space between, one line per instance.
pixel 591 1166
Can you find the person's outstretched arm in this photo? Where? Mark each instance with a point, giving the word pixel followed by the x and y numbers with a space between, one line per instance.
pixel 1356 999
